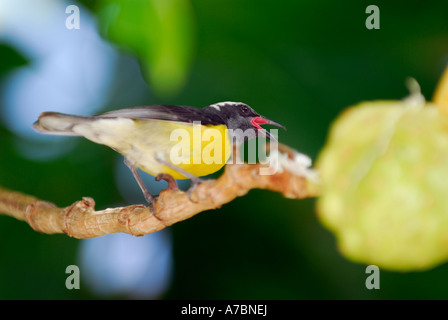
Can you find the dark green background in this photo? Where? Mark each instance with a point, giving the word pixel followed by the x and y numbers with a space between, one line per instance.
pixel 297 62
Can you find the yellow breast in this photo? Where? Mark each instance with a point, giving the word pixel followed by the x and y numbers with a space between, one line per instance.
pixel 198 149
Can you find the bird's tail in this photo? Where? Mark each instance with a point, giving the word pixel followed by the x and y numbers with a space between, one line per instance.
pixel 59 123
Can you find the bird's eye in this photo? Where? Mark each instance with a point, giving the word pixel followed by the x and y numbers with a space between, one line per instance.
pixel 244 109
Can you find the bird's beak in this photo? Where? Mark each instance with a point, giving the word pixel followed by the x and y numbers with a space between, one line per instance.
pixel 257 121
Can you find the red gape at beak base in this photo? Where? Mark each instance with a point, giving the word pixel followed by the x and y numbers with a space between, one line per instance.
pixel 256 121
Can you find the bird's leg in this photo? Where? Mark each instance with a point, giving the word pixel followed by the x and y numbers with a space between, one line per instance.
pixel 194 180
pixel 183 172
pixel 148 196
pixel 172 184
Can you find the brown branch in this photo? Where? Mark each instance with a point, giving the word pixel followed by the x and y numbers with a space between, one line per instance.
pixel 80 220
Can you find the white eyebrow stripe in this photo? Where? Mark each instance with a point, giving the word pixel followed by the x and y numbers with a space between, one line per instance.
pixel 218 105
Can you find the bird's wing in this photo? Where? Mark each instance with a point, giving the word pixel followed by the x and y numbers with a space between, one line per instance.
pixel 163 112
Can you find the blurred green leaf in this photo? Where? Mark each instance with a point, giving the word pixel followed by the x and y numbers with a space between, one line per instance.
pixel 14 58
pixel 384 172
pixel 160 32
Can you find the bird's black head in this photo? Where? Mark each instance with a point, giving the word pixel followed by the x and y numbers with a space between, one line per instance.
pixel 243 121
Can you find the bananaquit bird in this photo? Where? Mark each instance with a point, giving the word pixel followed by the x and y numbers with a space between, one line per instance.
pixel 148 137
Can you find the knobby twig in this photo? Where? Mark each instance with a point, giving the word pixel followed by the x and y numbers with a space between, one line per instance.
pixel 80 220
